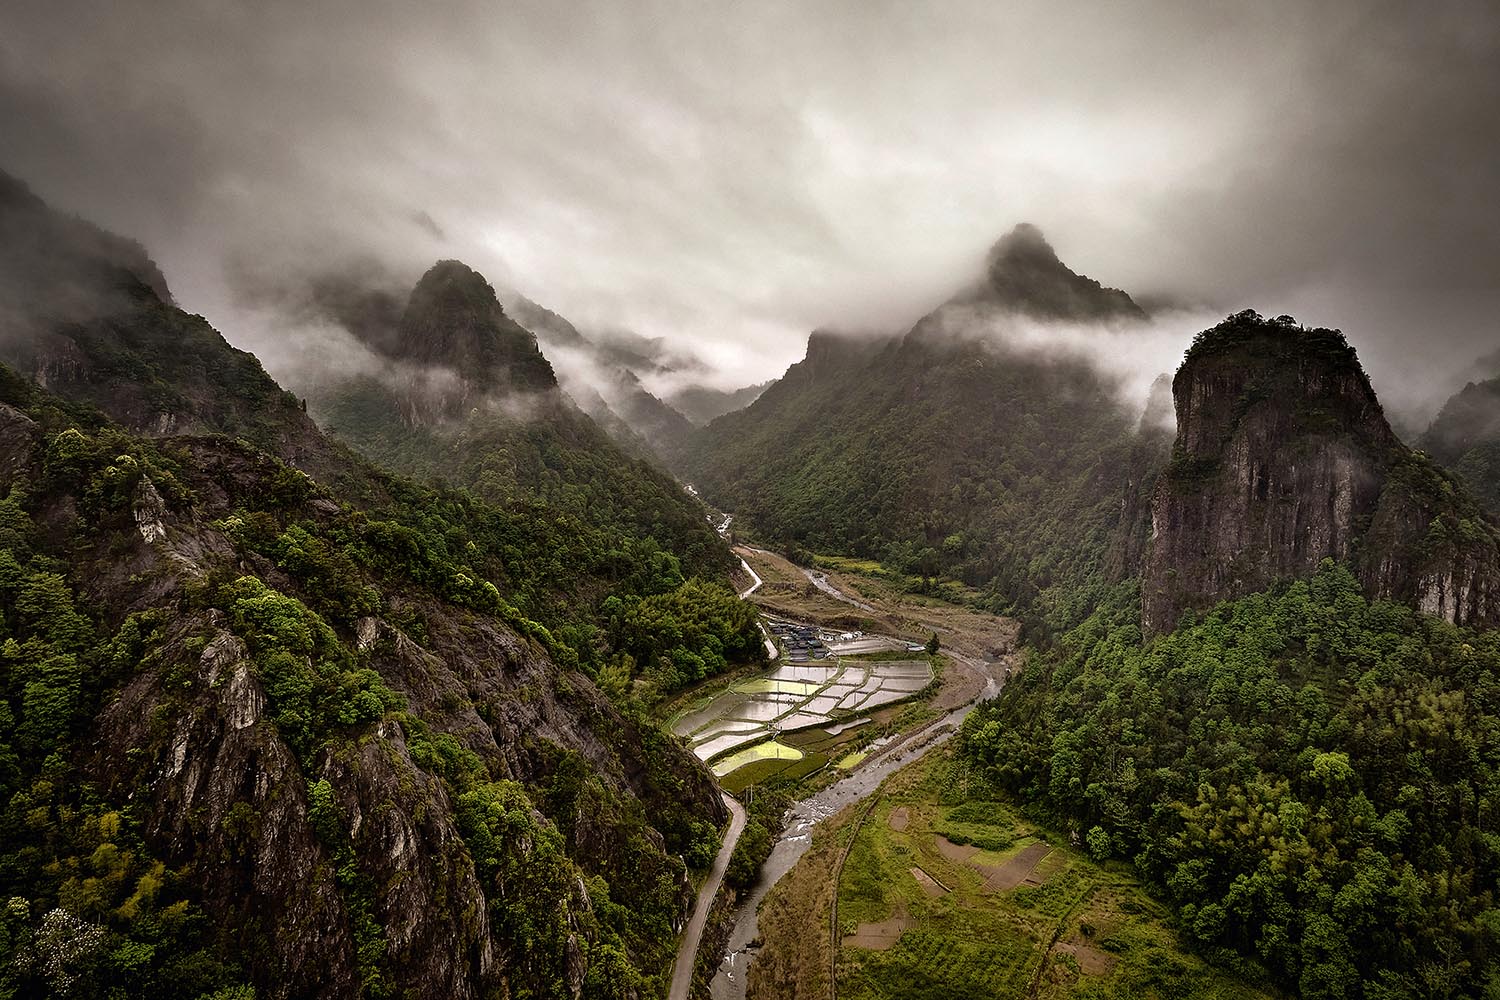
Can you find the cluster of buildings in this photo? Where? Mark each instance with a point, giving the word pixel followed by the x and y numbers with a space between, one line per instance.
pixel 802 642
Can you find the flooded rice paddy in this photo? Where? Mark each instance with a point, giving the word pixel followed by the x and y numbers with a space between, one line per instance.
pixel 738 726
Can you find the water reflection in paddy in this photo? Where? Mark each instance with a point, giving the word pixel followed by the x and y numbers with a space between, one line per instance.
pixel 796 696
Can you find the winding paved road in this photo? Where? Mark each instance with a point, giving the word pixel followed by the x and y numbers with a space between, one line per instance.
pixel 687 949
pixel 754 576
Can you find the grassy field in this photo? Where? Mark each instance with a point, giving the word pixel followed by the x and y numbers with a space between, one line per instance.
pixel 759 753
pixel 956 591
pixel 1003 909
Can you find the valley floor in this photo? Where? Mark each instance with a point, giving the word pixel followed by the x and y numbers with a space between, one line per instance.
pixel 874 604
pixel 912 890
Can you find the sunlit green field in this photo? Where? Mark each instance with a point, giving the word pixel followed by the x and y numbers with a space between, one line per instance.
pixel 770 750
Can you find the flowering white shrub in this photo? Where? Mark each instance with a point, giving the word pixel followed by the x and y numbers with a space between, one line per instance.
pixel 62 949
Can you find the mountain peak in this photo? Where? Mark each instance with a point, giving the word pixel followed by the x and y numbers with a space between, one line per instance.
pixel 452 283
pixel 463 346
pixel 1023 274
pixel 454 320
pixel 1024 243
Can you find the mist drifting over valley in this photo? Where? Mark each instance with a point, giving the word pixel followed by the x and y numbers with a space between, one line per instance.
pixel 653 500
pixel 729 180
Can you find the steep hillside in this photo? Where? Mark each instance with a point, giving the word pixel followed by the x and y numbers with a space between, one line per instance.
pixel 952 449
pixel 469 397
pixel 88 314
pixel 335 735
pixel 341 725
pixel 603 386
pixel 1465 438
pixel 1283 458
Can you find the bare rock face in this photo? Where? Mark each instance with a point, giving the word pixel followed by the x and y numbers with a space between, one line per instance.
pixel 18 434
pixel 225 795
pixel 401 825
pixel 1283 458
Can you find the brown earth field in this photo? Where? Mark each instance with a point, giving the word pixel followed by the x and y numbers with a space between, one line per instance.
pixel 788 592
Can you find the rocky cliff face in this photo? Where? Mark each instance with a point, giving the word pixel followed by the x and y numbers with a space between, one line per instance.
pixel 351 862
pixel 1283 458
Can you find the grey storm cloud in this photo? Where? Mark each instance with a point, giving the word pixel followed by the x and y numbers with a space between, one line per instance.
pixel 728 176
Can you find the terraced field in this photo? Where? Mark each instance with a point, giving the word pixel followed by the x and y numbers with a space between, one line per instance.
pixel 941 901
pixel 827 698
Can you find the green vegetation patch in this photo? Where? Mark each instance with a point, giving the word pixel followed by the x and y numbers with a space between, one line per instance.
pixel 1311 778
pixel 987 825
pixel 1086 930
pixel 770 750
pixel 755 773
pixel 808 765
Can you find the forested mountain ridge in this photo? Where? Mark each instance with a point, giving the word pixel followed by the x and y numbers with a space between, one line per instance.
pixel 341 723
pixel 1465 438
pixel 481 408
pixel 951 449
pixel 331 736
pixel 1283 458
pixel 605 389
pixel 88 314
pixel 461 347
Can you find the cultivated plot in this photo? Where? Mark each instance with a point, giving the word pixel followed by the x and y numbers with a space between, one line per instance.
pixel 795 696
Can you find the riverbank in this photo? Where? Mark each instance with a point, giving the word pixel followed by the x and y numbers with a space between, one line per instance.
pixel 808 813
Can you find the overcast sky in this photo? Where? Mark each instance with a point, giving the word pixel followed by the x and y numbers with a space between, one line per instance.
pixel 731 175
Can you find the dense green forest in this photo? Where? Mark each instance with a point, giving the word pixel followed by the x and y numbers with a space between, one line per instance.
pixel 553 461
pixel 1311 777
pixel 959 458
